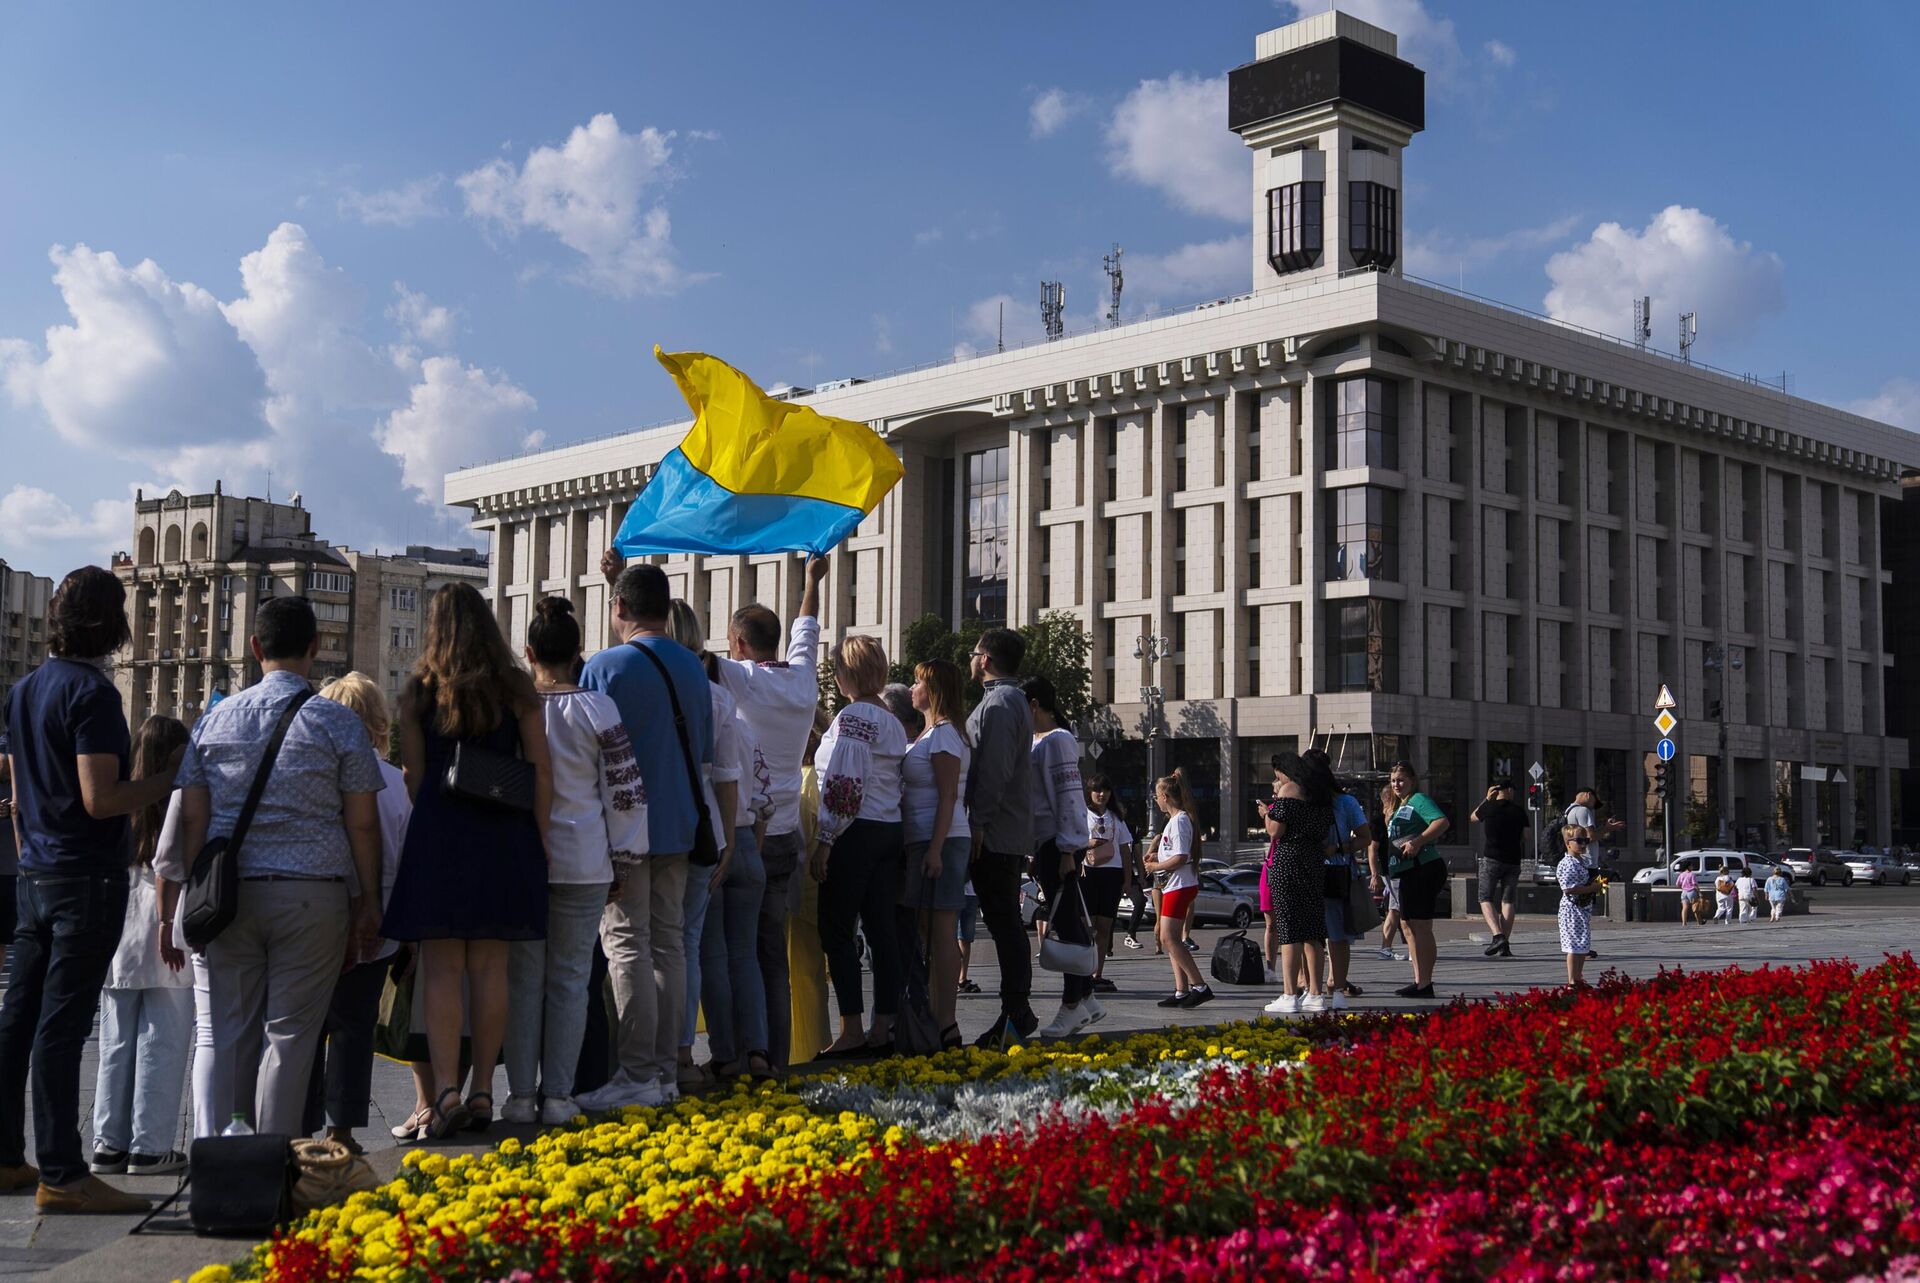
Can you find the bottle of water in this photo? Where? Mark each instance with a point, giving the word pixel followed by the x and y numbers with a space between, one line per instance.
pixel 238 1127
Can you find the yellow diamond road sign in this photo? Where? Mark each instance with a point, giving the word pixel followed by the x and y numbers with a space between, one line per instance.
pixel 1665 722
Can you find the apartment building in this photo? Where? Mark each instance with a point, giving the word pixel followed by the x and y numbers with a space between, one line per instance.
pixel 1359 510
pixel 24 598
pixel 390 605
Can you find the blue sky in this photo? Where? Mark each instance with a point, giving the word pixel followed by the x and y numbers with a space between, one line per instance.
pixel 361 245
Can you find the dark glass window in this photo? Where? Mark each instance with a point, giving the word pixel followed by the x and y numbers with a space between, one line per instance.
pixel 1180 450
pixel 1373 224
pixel 1366 534
pixel 984 596
pixel 1180 551
pixel 1363 645
pixel 1363 423
pixel 1253 545
pixel 1293 226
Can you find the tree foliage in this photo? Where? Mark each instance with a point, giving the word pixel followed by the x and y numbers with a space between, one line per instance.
pixel 1058 648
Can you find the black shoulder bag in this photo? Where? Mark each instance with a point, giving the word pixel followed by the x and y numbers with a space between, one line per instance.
pixel 213 884
pixel 706 851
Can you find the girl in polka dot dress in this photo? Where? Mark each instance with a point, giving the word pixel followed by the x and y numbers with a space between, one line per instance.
pixel 1577 889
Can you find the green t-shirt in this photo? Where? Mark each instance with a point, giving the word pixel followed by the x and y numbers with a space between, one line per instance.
pixel 1411 820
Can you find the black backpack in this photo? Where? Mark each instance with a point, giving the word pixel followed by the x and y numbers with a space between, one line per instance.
pixel 1237 961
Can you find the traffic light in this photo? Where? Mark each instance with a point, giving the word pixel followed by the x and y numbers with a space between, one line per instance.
pixel 1535 795
pixel 1662 783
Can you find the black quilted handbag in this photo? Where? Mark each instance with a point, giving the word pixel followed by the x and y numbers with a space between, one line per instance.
pixel 492 779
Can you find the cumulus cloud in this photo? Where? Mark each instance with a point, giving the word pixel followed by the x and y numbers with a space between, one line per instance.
pixel 302 319
pixel 1172 135
pixel 401 206
pixel 455 415
pixel 33 516
pixel 1439 255
pixel 1684 259
pixel 1192 272
pixel 1051 109
pixel 597 194
pixel 1897 402
pixel 1501 53
pixel 420 319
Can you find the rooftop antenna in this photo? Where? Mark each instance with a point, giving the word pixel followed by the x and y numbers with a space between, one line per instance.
pixel 1114 279
pixel 1000 342
pixel 1053 306
pixel 1642 321
pixel 1689 331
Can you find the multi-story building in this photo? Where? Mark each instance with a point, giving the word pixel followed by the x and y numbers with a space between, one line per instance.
pixel 390 605
pixel 23 624
pixel 1363 510
pixel 201 566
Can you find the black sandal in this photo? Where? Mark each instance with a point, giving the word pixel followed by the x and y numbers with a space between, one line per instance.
pixel 445 1122
pixel 475 1121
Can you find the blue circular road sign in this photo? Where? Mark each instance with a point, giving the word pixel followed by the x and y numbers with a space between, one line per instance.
pixel 1665 750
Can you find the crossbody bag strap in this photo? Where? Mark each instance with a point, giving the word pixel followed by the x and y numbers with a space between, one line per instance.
pixel 679 726
pixel 265 769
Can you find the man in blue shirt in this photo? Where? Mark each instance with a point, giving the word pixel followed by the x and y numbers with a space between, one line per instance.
pixel 69 758
pixel 643 930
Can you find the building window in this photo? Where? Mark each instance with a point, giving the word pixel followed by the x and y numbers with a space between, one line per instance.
pixel 1109 663
pixel 1365 534
pixel 1363 645
pixel 1293 226
pixel 1046 566
pixel 393 637
pixel 266 585
pixel 984 596
pixel 1180 551
pixel 1113 572
pixel 1113 459
pixel 1180 449
pixel 1373 224
pixel 328 581
pixel 1179 657
pixel 1253 652
pixel 1363 423
pixel 405 599
pixel 1253 544
pixel 1253 437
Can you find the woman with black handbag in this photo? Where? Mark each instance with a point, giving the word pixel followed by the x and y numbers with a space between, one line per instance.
pixel 473 879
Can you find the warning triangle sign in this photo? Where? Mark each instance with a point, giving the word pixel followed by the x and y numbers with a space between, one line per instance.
pixel 1665 700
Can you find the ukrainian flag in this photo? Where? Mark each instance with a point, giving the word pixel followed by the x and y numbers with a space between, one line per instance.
pixel 755 475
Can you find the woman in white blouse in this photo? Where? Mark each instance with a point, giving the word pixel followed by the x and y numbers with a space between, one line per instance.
pixel 1060 842
pixel 597 829
pixel 934 825
pixel 856 851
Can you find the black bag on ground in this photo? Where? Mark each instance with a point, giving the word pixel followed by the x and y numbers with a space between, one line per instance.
pixel 242 1185
pixel 1237 961
pixel 213 883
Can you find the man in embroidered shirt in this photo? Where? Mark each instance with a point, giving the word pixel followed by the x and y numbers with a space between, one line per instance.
pixel 314 836
pixel 1000 813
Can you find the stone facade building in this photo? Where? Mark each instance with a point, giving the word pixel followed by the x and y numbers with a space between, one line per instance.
pixel 23 624
pixel 1365 511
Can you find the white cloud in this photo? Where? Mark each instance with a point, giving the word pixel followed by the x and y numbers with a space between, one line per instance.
pixel 1897 402
pixel 455 415
pixel 302 319
pixel 1191 273
pixel 1172 135
pixel 1439 255
pixel 148 363
pixel 1051 109
pixel 927 235
pixel 419 318
pixel 882 334
pixel 592 194
pixel 1682 258
pixel 34 516
pixel 1501 53
pixel 401 206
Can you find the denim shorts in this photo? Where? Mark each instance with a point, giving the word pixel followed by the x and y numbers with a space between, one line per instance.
pixel 1499 882
pixel 946 894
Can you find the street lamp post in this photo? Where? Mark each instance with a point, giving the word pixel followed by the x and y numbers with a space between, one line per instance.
pixel 1719 659
pixel 1153 648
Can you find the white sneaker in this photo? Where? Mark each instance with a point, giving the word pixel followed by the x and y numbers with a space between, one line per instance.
pixel 1287 1004
pixel 1273 977
pixel 1095 1012
pixel 1314 1002
pixel 609 1095
pixel 1338 1002
pixel 662 1093
pixel 519 1109
pixel 558 1111
pixel 1402 957
pixel 1384 954
pixel 1068 1021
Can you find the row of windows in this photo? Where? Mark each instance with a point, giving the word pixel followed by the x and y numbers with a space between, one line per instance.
pixel 1294 225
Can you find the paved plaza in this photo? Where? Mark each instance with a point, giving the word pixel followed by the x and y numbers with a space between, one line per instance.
pixel 1864 924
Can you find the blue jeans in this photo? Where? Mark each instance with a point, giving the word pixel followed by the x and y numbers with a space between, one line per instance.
pixel 69 926
pixel 731 991
pixel 549 990
pixel 699 892
pixel 145 1035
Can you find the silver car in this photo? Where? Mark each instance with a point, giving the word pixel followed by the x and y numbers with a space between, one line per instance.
pixel 1879 870
pixel 1223 900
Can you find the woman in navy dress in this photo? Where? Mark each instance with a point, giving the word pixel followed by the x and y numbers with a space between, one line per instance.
pixel 473 877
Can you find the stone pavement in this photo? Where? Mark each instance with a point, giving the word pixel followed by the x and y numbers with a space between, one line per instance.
pixel 99 1250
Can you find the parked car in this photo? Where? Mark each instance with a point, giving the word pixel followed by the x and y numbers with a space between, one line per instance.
pixel 1879 870
pixel 1818 866
pixel 1707 864
pixel 1220 902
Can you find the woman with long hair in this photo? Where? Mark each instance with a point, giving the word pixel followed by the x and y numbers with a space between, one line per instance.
pixel 1415 824
pixel 1060 844
pixel 1108 862
pixel 1297 820
pixel 146 1007
pixel 934 827
pixel 1176 865
pixel 474 875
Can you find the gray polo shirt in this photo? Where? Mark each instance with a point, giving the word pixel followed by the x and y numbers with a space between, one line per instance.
pixel 1000 783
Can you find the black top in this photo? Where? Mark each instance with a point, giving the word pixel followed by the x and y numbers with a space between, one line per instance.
pixel 65 710
pixel 1506 826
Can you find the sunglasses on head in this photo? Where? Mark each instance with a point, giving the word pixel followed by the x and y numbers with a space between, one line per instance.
pixel 1577 842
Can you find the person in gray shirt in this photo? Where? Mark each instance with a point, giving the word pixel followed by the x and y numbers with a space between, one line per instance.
pixel 1000 812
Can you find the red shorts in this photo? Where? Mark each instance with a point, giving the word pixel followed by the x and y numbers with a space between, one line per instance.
pixel 1174 904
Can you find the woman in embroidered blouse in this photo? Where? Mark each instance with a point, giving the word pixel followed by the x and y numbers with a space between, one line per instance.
pixel 857 850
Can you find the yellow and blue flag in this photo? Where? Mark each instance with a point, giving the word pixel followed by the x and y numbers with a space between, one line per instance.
pixel 755 475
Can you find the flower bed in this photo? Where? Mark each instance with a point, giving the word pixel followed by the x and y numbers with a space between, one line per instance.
pixel 1413 1148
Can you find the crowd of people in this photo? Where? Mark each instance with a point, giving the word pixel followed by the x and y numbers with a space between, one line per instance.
pixel 687 832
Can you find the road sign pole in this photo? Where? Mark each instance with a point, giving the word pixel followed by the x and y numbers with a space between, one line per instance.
pixel 1667 720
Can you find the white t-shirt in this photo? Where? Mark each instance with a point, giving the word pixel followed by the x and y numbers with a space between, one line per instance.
pixel 599 803
pixel 1743 887
pixel 738 760
pixel 1109 835
pixel 778 699
pixel 920 796
pixel 1177 839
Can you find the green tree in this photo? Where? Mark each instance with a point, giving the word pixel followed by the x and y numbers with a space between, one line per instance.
pixel 1058 648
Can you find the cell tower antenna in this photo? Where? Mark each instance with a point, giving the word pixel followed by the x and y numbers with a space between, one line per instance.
pixel 1642 320
pixel 1689 331
pixel 1000 340
pixel 1115 279
pixel 1053 306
